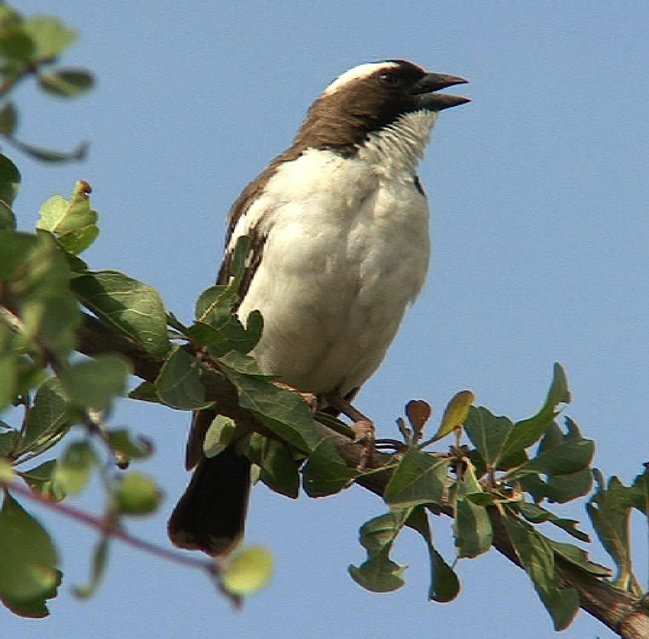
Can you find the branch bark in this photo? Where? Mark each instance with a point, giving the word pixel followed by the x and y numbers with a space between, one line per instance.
pixel 617 609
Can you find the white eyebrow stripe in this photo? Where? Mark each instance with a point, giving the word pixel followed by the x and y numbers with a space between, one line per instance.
pixel 356 73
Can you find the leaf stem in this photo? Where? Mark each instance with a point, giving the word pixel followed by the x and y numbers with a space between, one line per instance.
pixel 105 527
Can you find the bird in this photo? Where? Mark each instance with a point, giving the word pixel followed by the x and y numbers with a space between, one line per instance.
pixel 339 250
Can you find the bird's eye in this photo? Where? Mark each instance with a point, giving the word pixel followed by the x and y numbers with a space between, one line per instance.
pixel 389 79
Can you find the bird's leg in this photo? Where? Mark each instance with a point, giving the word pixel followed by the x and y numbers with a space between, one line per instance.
pixel 362 426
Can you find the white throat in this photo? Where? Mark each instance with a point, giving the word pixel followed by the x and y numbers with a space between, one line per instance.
pixel 399 146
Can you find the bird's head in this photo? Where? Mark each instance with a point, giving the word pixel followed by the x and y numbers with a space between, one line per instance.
pixel 371 97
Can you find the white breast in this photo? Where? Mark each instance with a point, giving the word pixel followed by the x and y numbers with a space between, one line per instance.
pixel 346 252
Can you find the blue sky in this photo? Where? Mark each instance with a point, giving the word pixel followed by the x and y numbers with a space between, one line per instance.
pixel 539 195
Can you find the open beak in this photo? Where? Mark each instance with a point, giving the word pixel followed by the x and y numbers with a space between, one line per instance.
pixel 426 91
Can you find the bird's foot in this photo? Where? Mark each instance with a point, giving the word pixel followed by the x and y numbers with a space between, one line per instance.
pixel 364 437
pixel 363 426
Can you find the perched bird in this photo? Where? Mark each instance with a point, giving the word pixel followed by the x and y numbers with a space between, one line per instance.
pixel 340 248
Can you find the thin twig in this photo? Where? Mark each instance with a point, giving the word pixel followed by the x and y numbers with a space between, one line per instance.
pixel 100 524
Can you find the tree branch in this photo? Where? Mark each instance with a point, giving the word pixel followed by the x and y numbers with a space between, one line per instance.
pixel 615 608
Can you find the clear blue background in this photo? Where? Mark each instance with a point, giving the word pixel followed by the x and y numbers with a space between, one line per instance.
pixel 540 203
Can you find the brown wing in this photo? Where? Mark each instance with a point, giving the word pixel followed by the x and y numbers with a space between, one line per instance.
pixel 238 210
pixel 201 420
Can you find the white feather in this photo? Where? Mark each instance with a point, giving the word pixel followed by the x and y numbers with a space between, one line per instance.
pixel 346 252
pixel 357 73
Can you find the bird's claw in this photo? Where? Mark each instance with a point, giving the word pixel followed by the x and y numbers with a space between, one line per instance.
pixel 364 436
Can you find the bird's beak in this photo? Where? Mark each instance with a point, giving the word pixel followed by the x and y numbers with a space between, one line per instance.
pixel 426 96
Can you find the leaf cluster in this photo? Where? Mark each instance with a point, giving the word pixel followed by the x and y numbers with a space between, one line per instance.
pixel 507 474
pixel 46 389
pixel 30 46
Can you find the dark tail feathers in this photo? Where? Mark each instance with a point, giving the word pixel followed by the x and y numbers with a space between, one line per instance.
pixel 210 515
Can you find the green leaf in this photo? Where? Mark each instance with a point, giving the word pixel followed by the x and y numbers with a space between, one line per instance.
pixel 214 305
pixel 558 488
pixel 538 515
pixel 29 374
pixel 99 562
pixel 8 440
pixel 219 435
pixel 420 478
pixel 74 467
pixel 8 367
pixel 28 561
pixel 562 604
pixel 565 458
pixel 554 436
pixel 471 526
pixel 554 447
pixel 41 480
pixel 137 494
pixel 455 413
pixel 7 216
pixel 483 499
pixel 640 492
pixel 379 533
pixel 145 392
pixel 15 249
pixel 527 432
pixel 133 308
pixel 9 179
pixel 38 278
pixel 72 221
pixel 279 470
pixel 50 36
pixel 49 155
pixel 179 383
pixel 223 332
pixel 569 457
pixel 488 433
pixel 609 510
pixel 16 45
pixel 48 420
pixel 243 363
pixel 564 488
pixel 239 259
pixel 281 411
pixel 537 558
pixel 128 446
pixel 579 557
pixel 35 608
pixel 248 571
pixel 97 382
pixel 66 83
pixel 217 324
pixel 378 574
pixel 559 392
pixel 325 473
pixel 444 583
pixel 60 216
pixel 8 121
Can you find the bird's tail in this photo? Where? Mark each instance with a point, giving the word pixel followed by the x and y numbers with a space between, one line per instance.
pixel 210 515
